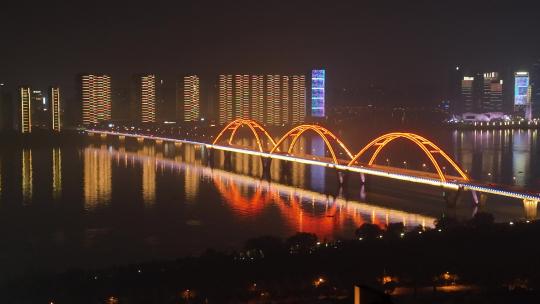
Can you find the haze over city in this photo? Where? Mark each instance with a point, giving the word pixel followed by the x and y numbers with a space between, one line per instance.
pixel 270 152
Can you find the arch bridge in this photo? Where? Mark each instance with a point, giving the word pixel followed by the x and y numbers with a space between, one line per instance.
pixel 341 159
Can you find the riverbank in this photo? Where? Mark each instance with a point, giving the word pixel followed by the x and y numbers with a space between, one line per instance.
pixel 457 262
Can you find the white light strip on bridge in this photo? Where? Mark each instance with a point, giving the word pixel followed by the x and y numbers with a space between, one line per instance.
pixel 403 177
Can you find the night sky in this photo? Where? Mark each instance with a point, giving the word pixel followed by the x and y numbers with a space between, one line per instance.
pixel 403 46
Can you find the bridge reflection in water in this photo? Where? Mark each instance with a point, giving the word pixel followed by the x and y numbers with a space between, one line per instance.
pixel 251 197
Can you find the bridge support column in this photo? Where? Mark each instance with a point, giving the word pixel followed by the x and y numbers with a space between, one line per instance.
pixel 479 199
pixel 531 208
pixel 208 156
pixel 266 165
pixel 452 197
pixel 362 178
pixel 342 177
pixel 140 140
pixel 103 136
pixel 227 161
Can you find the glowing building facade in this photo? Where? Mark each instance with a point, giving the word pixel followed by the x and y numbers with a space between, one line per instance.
pixel 192 106
pixel 522 94
pixel 148 98
pixel 25 109
pixel 467 98
pixel 257 97
pixel 272 99
pixel 318 99
pixel 492 97
pixel 56 114
pixel 298 99
pixel 225 99
pixel 96 98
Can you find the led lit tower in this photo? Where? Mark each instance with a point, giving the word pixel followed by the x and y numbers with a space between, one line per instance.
pixel 298 99
pixel 225 99
pixel 285 101
pixel 191 98
pixel 96 98
pixel 467 97
pixel 54 99
pixel 273 104
pixel 257 98
pixel 492 97
pixel 522 94
pixel 25 101
pixel 148 98
pixel 318 79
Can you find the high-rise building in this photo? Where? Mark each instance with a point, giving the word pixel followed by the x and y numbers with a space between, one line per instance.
pixel 492 97
pixel 522 94
pixel 257 98
pixel 535 89
pixel 40 116
pixel 298 99
pixel 192 107
pixel 56 113
pixel 148 98
pixel 467 96
pixel 225 99
pixel 318 99
pixel 25 109
pixel 96 98
pixel 285 101
pixel 273 100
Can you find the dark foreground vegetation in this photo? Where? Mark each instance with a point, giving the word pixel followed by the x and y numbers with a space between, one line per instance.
pixel 471 262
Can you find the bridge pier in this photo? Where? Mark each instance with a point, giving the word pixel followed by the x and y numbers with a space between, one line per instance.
pixel 479 199
pixel 452 198
pixel 208 156
pixel 266 165
pixel 362 178
pixel 140 140
pixel 531 208
pixel 342 177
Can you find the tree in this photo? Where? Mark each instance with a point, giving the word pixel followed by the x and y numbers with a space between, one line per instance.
pixel 301 241
pixel 446 223
pixel 269 245
pixel 395 230
pixel 368 231
pixel 482 220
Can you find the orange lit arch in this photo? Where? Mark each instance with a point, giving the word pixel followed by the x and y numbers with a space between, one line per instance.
pixel 257 130
pixel 428 147
pixel 324 133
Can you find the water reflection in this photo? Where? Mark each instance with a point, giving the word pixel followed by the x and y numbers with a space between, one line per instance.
pixel 27 179
pixel 97 176
pixel 148 175
pixel 250 197
pixel 56 173
pixel 499 156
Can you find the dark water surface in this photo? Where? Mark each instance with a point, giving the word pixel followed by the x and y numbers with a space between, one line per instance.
pixel 111 202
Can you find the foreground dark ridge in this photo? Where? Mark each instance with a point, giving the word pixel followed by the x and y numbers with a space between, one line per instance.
pixel 497 261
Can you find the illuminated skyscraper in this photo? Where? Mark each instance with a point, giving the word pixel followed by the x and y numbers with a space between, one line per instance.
pixel 54 100
pixel 492 97
pixel 25 109
pixel 192 106
pixel 225 99
pixel 522 94
pixel 467 96
pixel 318 99
pixel 285 101
pixel 298 99
pixel 273 104
pixel 257 98
pixel 96 98
pixel 241 96
pixel 147 98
